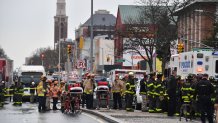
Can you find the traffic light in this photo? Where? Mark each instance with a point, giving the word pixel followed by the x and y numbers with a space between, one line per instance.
pixel 69 49
pixel 180 48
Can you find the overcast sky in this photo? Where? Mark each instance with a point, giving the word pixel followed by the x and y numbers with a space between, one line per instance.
pixel 26 25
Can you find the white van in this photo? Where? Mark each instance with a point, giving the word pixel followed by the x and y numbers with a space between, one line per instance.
pixel 28 74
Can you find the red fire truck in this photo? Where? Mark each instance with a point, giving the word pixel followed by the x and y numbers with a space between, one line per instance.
pixel 6 70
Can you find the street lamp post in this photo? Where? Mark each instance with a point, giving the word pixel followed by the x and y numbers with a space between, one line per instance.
pixel 91 53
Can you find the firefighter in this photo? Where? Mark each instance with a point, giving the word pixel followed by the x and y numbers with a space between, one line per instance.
pixel 143 92
pixel 159 92
pixel 48 95
pixel 171 91
pixel 130 91
pixel 18 94
pixel 11 91
pixel 89 86
pixel 151 91
pixel 55 92
pixel 117 90
pixel 187 92
pixel 32 92
pixel 41 94
pixel 43 89
pixel 204 89
pixel 2 92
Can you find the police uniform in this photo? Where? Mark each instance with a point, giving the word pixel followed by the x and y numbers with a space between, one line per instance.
pixel 204 90
pixel 171 91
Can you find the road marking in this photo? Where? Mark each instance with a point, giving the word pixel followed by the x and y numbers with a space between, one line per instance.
pixel 95 118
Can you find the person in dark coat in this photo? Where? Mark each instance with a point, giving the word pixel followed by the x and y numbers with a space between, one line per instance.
pixel 204 89
pixel 171 91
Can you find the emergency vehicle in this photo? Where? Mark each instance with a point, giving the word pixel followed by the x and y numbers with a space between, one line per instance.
pixel 28 74
pixel 137 74
pixel 197 61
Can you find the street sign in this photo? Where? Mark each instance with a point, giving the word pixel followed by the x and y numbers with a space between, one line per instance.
pixel 81 64
pixel 120 60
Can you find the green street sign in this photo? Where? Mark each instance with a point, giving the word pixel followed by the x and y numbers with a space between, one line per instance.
pixel 120 60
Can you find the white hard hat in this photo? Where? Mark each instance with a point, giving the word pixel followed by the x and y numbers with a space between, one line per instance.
pixel 33 83
pixel 3 81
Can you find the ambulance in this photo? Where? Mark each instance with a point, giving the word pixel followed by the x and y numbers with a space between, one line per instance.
pixel 197 61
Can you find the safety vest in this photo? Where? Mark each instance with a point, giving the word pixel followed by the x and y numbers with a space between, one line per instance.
pixel 40 90
pixel 88 87
pixel 55 91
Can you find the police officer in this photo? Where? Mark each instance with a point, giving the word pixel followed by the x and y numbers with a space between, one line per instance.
pixel 204 89
pixel 171 91
pixel 143 92
pixel 130 91
pixel 151 91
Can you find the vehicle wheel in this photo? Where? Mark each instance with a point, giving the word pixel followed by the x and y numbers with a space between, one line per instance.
pixel 138 106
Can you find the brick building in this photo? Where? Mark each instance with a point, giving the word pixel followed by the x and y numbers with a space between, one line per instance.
pixel 196 22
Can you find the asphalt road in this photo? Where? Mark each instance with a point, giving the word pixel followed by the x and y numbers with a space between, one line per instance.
pixel 28 113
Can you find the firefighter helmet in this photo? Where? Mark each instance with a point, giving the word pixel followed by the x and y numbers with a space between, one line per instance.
pixel 211 78
pixel 131 73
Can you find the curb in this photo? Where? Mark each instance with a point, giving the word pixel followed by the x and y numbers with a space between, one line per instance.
pixel 101 115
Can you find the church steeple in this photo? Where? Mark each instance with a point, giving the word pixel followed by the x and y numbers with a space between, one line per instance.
pixel 61 8
pixel 60 22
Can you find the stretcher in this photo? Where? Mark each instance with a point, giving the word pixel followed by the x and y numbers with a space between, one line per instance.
pixel 102 94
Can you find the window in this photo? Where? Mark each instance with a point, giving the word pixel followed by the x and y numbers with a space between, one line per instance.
pixel 216 67
pixel 206 67
pixel 200 55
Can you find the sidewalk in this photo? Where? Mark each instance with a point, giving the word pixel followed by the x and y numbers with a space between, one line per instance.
pixel 121 116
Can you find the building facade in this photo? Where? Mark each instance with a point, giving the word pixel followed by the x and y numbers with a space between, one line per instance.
pixel 196 22
pixel 103 25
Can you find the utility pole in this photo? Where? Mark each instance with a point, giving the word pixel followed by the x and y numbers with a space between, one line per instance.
pixel 91 53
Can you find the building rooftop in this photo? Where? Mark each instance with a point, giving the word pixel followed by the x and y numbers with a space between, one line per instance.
pixel 129 12
pixel 189 3
pixel 101 18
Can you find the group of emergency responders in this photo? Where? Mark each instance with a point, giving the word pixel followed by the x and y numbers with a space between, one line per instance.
pixel 158 94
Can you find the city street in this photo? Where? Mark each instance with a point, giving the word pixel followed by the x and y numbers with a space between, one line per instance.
pixel 28 113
